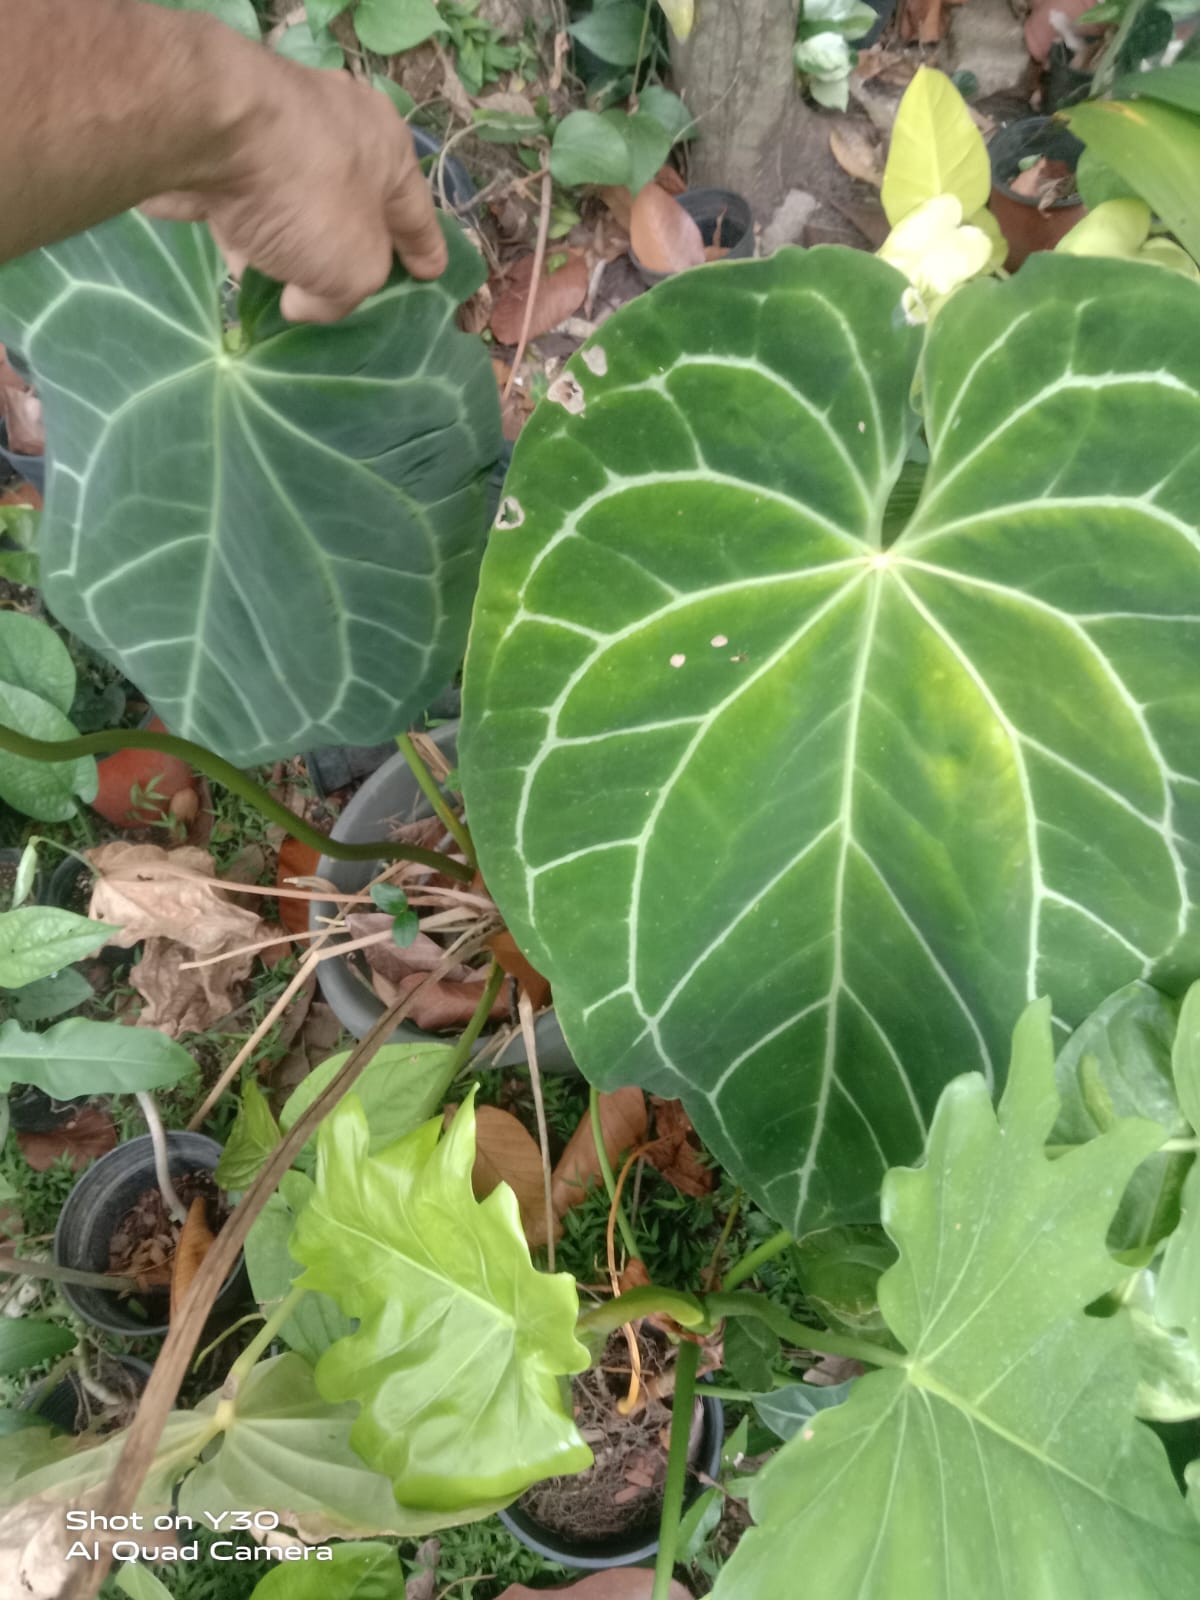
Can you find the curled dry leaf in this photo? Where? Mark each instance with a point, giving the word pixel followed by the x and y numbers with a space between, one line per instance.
pixel 623 1120
pixel 676 1150
pixel 90 1133
pixel 506 1152
pixel 177 1002
pixel 195 1241
pixel 442 1004
pixel 389 960
pixel 857 152
pixel 559 295
pixel 504 947
pixel 617 1583
pixel 663 236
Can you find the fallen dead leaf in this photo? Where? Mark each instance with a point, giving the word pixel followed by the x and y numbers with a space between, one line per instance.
pixel 391 961
pixel 634 1276
pixel 195 1241
pixel 617 1583
pixel 559 295
pixel 675 1151
pixel 857 152
pixel 442 1004
pixel 177 1002
pixel 504 947
pixel 663 236
pixel 152 893
pixel 505 1152
pixel 925 20
pixel 90 1133
pixel 423 1584
pixel 319 1036
pixel 623 1121
pixel 295 860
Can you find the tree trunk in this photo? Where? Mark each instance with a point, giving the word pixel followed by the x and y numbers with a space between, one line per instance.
pixel 736 73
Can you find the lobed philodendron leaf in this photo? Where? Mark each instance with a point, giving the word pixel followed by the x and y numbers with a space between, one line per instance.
pixel 461 1342
pixel 1000 1458
pixel 274 533
pixel 797 816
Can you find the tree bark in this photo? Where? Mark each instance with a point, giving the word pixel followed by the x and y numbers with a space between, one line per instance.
pixel 736 74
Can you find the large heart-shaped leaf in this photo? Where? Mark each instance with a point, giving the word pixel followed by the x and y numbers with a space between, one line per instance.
pixel 795 813
pixel 274 533
pixel 461 1342
pixel 1000 1458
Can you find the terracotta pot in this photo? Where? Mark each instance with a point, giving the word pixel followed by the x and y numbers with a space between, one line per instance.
pixel 1026 227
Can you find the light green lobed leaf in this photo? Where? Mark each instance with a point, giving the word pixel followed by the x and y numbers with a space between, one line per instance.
pixel 358 1571
pixel 279 543
pixel 1002 1458
pixel 316 1322
pixel 839 809
pixel 461 1342
pixel 252 1138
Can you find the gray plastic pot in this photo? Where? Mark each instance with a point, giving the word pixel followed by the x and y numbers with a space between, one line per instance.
pixel 96 1205
pixel 391 795
pixel 628 1550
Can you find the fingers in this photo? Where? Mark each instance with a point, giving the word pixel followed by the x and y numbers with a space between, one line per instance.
pixel 346 283
pixel 411 218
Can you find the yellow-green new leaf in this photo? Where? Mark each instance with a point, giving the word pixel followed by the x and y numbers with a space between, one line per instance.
pixel 461 1342
pixel 680 15
pixel 1001 1457
pixel 1155 149
pixel 936 149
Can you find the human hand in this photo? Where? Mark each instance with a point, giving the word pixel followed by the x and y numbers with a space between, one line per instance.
pixel 320 188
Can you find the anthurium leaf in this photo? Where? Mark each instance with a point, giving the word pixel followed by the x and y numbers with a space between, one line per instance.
pixel 47 998
pixel 286 1449
pixel 254 1135
pixel 79 1057
pixel 33 657
pixel 36 941
pixel 42 789
pixel 1156 149
pixel 786 1411
pixel 400 1088
pixel 587 149
pixel 1012 1409
pixel 804 944
pixel 936 149
pixel 316 1323
pixel 1185 1057
pixel 838 1270
pixel 28 1341
pixel 1117 1063
pixel 390 26
pixel 357 452
pixel 461 1343
pixel 358 1571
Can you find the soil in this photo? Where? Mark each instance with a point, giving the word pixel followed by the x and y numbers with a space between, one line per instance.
pixel 143 1244
pixel 622 1493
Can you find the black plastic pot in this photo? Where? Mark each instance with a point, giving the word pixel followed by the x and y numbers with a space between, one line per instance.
pixel 31 468
pixel 1063 84
pixel 710 208
pixel 1027 228
pixel 459 190
pixel 57 1401
pixel 632 1549
pixel 391 795
pixel 97 1204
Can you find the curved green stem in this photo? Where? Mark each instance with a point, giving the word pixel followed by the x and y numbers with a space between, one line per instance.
pixel 455 826
pixel 244 1364
pixel 216 767
pixel 686 1363
pixel 750 1263
pixel 606 1171
pixel 799 1333
pixel 462 1050
pixel 612 1314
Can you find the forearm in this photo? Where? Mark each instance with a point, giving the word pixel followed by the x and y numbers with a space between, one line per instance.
pixel 108 102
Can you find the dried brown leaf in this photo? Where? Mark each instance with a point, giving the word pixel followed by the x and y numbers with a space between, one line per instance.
pixel 662 234
pixel 675 1151
pixel 442 1004
pixel 504 947
pixel 623 1121
pixel 195 1241
pixel 89 1133
pixel 152 893
pixel 177 1002
pixel 857 152
pixel 388 959
pixel 559 295
pixel 506 1152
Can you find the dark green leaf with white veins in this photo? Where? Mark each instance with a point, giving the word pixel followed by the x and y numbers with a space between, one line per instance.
pixel 838 811
pixel 1000 1457
pixel 274 535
